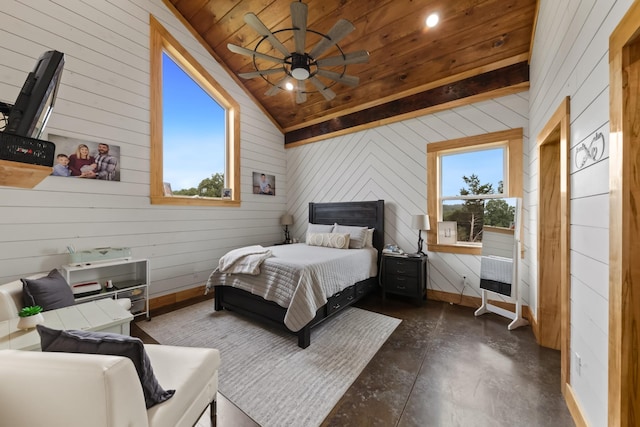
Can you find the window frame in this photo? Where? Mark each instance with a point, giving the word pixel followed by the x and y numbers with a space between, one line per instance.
pixel 511 139
pixel 162 41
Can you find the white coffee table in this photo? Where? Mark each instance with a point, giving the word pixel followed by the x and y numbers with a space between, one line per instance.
pixel 104 315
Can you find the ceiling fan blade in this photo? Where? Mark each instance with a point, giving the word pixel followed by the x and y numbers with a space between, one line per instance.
pixel 299 21
pixel 274 90
pixel 357 57
pixel 276 87
pixel 254 22
pixel 340 30
pixel 301 94
pixel 259 73
pixel 248 52
pixel 341 78
pixel 324 90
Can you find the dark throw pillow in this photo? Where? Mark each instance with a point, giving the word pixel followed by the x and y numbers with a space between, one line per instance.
pixel 76 341
pixel 49 292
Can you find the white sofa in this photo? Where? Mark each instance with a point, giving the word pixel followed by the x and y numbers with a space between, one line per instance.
pixel 79 390
pixel 11 298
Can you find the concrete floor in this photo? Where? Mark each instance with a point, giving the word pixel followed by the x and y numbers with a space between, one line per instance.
pixel 443 367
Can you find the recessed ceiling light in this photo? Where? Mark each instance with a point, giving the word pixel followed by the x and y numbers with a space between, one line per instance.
pixel 288 85
pixel 432 20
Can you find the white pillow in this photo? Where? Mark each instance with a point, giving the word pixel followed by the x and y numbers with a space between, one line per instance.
pixel 318 228
pixel 368 240
pixel 329 240
pixel 356 234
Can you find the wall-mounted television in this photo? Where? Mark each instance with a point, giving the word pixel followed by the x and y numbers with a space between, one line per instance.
pixel 32 109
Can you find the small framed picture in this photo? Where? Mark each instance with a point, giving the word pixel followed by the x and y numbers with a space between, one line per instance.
pixel 226 193
pixel 447 232
pixel 264 184
pixel 166 188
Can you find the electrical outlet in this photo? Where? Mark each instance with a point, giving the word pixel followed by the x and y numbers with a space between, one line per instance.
pixel 464 281
pixel 578 360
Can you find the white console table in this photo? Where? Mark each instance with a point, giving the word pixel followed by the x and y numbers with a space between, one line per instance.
pixel 130 278
pixel 105 315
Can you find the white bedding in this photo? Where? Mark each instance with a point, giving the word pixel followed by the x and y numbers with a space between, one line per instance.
pixel 301 278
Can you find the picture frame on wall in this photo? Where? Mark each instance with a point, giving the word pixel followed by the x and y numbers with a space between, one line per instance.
pixel 77 158
pixel 166 189
pixel 447 232
pixel 264 184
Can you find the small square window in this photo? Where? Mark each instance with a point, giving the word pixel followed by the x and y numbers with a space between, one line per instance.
pixel 474 176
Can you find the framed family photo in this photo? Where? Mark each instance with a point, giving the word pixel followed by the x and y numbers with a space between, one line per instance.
pixel 76 158
pixel 264 184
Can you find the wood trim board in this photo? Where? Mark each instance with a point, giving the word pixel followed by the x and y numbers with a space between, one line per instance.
pixel 624 227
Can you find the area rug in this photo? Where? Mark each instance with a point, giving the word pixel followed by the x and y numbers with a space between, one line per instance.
pixel 264 372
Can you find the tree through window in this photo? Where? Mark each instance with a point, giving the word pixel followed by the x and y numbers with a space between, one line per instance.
pixel 468 181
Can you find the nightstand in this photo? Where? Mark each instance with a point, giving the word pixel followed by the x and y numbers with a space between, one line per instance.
pixel 404 276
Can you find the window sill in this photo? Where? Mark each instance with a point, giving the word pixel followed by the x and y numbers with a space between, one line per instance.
pixel 457 249
pixel 195 201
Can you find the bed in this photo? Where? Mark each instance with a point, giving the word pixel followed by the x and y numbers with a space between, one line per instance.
pixel 233 298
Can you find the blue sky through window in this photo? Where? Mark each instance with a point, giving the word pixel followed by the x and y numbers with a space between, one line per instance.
pixel 486 164
pixel 193 129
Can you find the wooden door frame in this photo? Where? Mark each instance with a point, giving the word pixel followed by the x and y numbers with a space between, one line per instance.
pixel 624 229
pixel 558 128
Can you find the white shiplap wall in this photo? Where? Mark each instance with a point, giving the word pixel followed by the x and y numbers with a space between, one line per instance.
pixel 389 162
pixel 104 96
pixel 570 58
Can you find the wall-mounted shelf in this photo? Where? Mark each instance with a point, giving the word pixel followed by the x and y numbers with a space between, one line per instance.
pixel 23 175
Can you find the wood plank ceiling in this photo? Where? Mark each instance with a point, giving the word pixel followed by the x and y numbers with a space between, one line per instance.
pixel 479 46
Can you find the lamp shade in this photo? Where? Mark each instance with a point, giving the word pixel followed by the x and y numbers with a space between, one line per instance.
pixel 286 219
pixel 420 222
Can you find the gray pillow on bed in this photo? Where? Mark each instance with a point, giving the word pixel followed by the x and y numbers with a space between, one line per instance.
pixel 357 235
pixel 318 228
pixel 368 240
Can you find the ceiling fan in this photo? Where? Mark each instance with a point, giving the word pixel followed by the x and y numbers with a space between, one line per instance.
pixel 301 66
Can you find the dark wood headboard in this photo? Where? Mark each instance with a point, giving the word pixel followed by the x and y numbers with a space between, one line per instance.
pixel 363 214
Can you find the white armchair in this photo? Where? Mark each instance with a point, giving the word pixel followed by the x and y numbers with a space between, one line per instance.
pixel 77 390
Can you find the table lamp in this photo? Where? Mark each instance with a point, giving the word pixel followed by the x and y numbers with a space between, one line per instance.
pixel 420 222
pixel 286 220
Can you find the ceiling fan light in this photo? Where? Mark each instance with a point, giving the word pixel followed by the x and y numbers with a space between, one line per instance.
pixel 301 73
pixel 299 67
pixel 288 86
pixel 432 20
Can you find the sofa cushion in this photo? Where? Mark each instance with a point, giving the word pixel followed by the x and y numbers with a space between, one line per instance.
pixel 49 292
pixel 76 341
pixel 195 377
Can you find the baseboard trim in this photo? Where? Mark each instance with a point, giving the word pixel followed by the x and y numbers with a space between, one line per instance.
pixel 574 407
pixel 464 300
pixel 476 302
pixel 180 296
